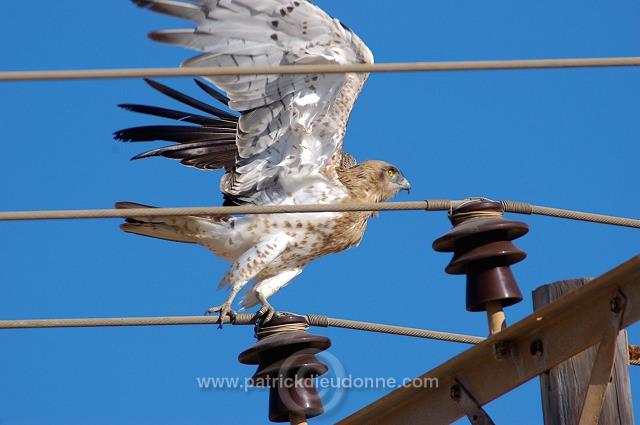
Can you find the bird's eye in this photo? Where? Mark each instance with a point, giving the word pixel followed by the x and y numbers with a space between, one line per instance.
pixel 391 172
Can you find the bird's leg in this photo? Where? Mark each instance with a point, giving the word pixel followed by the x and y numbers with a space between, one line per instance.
pixel 266 311
pixel 225 308
pixel 246 267
pixel 267 287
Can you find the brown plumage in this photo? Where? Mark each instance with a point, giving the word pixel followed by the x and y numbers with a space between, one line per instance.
pixel 285 148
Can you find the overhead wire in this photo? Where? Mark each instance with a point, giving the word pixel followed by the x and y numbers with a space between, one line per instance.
pixel 433 205
pixel 319 69
pixel 241 319
pixel 427 205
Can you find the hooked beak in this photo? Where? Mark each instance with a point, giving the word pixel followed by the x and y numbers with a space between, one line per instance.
pixel 405 185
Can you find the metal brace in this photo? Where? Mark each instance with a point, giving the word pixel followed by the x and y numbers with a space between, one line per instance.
pixel 466 403
pixel 603 363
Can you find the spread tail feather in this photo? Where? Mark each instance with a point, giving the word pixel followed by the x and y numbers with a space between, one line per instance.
pixel 162 227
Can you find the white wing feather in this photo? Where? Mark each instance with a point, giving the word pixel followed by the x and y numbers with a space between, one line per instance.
pixel 291 125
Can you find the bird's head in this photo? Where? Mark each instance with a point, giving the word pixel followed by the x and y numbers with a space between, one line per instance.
pixel 396 179
pixel 375 181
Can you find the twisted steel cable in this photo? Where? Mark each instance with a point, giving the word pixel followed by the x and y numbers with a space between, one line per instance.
pixel 324 69
pixel 428 205
pixel 241 319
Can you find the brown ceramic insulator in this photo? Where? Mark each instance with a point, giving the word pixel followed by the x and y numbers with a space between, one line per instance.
pixel 482 249
pixel 287 364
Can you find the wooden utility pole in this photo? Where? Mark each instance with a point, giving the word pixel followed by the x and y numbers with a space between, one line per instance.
pixel 565 386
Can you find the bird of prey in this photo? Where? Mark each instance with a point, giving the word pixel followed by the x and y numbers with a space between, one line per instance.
pixel 284 148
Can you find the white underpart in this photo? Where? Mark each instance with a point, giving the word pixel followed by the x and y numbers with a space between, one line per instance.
pixel 267 287
pixel 254 261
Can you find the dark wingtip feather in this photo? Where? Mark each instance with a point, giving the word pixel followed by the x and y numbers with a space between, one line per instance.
pixel 188 100
pixel 144 4
pixel 213 92
pixel 211 144
pixel 172 114
pixel 120 135
pixel 175 133
pixel 127 205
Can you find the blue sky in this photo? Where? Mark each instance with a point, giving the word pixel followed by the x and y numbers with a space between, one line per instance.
pixel 559 138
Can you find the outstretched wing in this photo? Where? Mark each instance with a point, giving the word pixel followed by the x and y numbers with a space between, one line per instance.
pixel 291 126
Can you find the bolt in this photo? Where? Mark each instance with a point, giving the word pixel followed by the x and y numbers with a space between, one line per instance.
pixel 535 347
pixel 454 392
pixel 615 305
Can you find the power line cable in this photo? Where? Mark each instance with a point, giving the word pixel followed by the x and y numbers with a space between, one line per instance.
pixel 241 319
pixel 390 329
pixel 428 205
pixel 318 69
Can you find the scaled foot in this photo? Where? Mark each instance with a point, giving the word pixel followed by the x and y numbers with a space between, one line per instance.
pixel 225 311
pixel 265 313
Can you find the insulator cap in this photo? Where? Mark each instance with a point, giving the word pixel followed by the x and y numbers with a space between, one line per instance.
pixel 287 364
pixel 482 249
